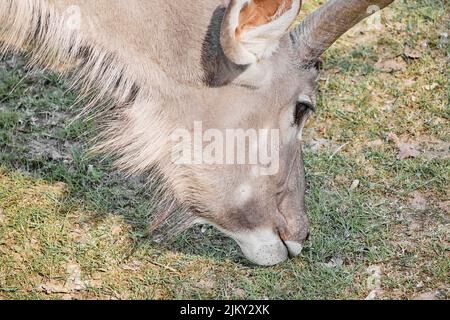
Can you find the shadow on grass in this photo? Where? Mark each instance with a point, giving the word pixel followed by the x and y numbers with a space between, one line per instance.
pixel 38 137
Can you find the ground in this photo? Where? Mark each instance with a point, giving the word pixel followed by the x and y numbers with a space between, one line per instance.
pixel 377 162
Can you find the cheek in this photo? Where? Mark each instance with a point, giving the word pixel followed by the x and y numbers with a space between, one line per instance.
pixel 243 194
pixel 288 132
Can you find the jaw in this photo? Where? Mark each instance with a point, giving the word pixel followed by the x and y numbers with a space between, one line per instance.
pixel 263 246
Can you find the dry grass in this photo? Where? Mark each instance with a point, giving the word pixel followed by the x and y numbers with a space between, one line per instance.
pixel 71 228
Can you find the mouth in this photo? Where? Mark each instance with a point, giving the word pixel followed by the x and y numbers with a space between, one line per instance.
pixel 262 247
pixel 294 248
pixel 265 248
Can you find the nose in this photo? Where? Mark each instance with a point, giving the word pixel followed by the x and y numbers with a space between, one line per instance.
pixel 293 237
pixel 294 248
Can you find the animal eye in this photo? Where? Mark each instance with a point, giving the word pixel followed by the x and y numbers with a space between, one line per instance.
pixel 303 108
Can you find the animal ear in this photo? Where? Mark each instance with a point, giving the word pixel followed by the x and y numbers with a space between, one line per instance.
pixel 251 29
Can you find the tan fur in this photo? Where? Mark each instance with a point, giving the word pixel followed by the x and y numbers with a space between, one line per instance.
pixel 36 26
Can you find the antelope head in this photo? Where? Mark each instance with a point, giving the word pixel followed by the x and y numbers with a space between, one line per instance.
pixel 266 86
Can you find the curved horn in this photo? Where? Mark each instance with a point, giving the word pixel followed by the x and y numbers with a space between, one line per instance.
pixel 327 24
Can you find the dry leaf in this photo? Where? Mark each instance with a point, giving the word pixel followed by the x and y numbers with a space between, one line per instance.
pixel 74 281
pixel 334 263
pixel 239 293
pixel 409 82
pixel 67 297
pixel 53 287
pixel 417 201
pixel 116 230
pixel 375 143
pixel 374 278
pixel 391 65
pixel 427 296
pixel 423 43
pixel 412 53
pixel 316 145
pixel 445 206
pixel 355 185
pixel 375 295
pixel 431 87
pixel 406 149
pixel 132 266
pixel 80 236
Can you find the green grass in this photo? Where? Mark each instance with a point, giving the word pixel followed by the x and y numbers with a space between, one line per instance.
pixel 62 209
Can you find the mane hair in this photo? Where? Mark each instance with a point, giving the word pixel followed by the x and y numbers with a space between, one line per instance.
pixel 131 131
pixel 38 28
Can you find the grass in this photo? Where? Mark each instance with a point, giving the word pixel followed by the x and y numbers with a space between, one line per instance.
pixel 72 228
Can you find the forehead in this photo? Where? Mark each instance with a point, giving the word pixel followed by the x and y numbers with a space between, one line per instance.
pixel 238 106
pixel 288 86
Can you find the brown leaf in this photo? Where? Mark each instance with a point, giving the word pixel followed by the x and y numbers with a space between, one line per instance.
pixel 316 145
pixel 116 230
pixel 418 201
pixel 431 87
pixel 391 65
pixel 334 70
pixel 375 295
pixel 375 143
pixel 67 297
pixel 355 185
pixel 435 149
pixel 74 281
pixel 407 150
pixel 409 82
pixel 445 206
pixel 412 53
pixel 80 236
pixel 433 295
pixel 132 266
pixel 240 293
pixel 53 287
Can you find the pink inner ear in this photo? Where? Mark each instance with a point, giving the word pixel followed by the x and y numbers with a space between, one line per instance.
pixel 259 12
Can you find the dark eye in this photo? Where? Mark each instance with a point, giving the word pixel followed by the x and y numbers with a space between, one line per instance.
pixel 303 109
